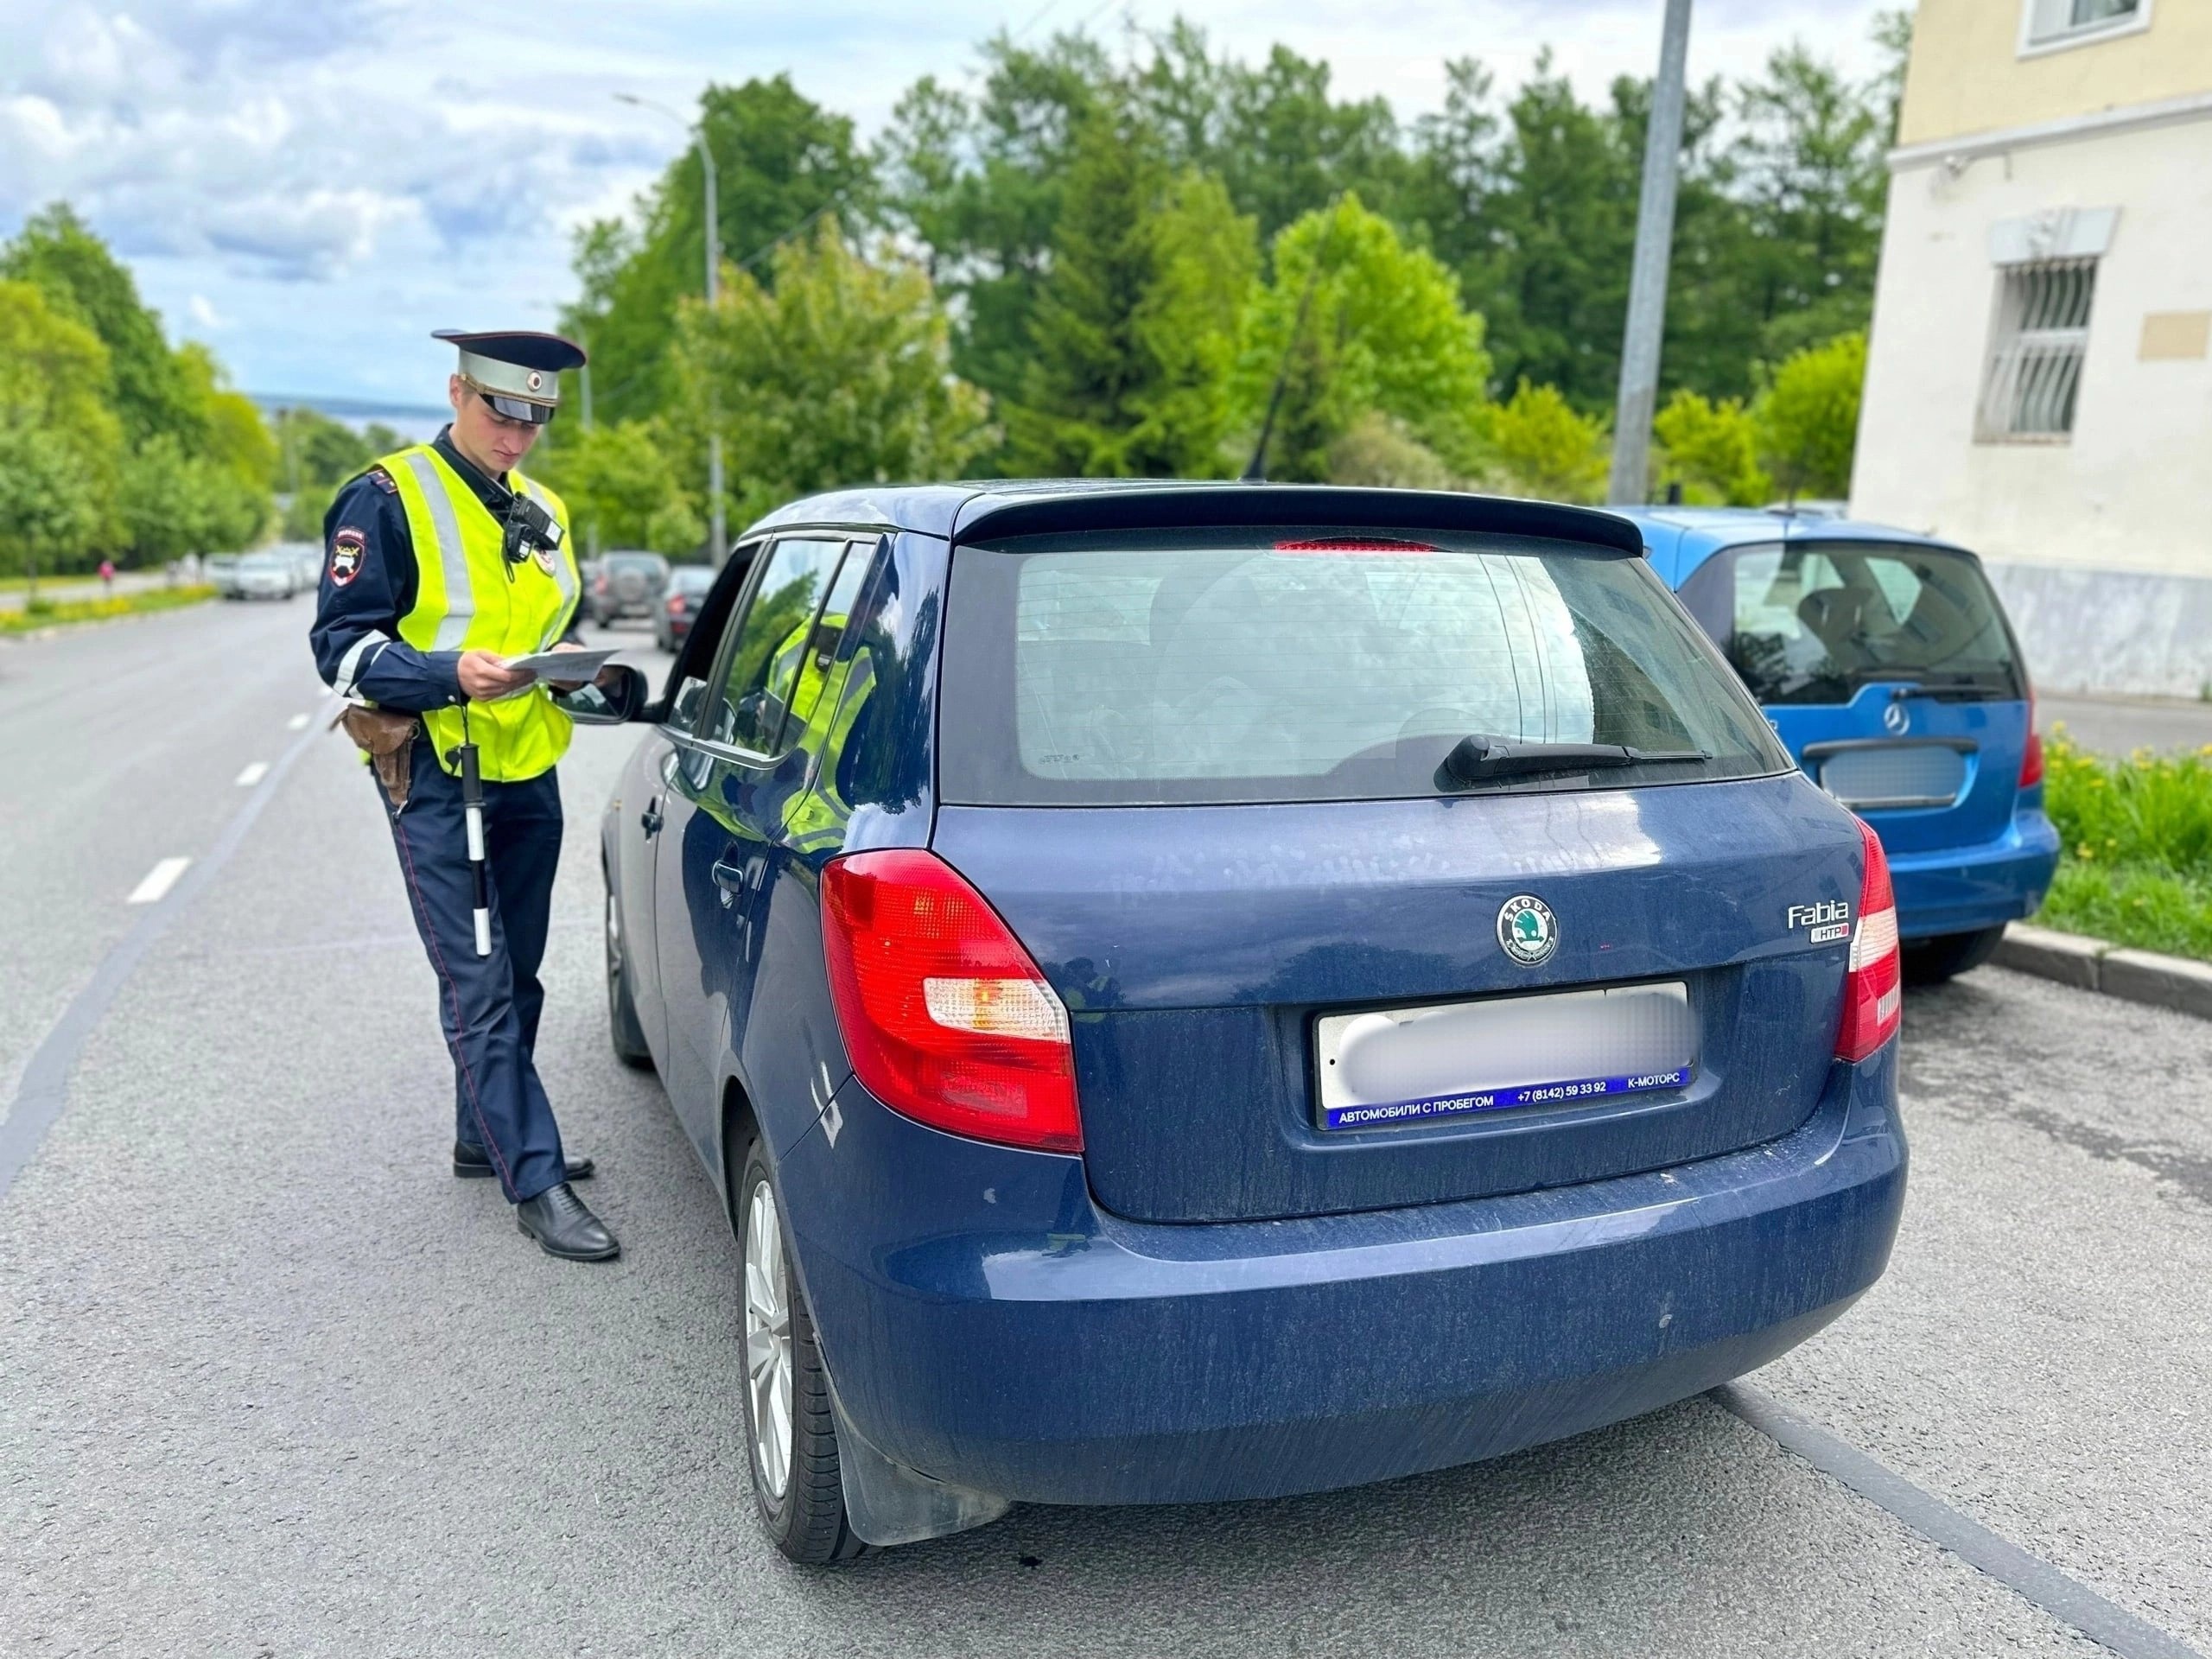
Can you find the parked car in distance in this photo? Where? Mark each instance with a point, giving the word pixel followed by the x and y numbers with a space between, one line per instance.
pixel 220 571
pixel 1886 661
pixel 267 574
pixel 680 601
pixel 307 563
pixel 627 584
pixel 1193 992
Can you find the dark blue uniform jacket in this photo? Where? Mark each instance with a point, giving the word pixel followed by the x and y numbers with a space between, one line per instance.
pixel 368 584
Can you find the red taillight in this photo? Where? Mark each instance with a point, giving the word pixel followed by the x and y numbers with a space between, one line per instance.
pixel 2032 762
pixel 1874 989
pixel 945 1015
pixel 676 604
pixel 598 584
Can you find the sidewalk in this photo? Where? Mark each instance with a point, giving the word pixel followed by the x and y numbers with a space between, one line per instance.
pixel 78 586
pixel 2117 726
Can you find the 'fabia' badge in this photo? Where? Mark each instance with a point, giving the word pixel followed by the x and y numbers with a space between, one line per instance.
pixel 1527 929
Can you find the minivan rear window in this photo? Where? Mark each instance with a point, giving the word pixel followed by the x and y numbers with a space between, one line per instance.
pixel 1306 664
pixel 1812 622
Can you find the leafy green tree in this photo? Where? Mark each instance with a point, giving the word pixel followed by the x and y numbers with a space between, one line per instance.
pixel 780 160
pixel 1384 332
pixel 1712 450
pixel 50 516
pixel 1271 132
pixel 57 253
pixel 622 490
pixel 1810 171
pixel 838 374
pixel 1547 447
pixel 1808 417
pixel 980 182
pixel 1134 331
pixel 172 501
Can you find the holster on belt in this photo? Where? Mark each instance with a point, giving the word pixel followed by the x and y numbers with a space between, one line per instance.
pixel 388 737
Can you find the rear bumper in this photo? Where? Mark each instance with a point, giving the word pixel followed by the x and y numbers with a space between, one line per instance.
pixel 1963 889
pixel 987 1325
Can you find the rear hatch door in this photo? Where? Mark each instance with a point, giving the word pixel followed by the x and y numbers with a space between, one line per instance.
pixel 1889 670
pixel 1202 775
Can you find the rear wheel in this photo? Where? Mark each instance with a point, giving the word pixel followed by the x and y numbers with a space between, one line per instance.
pixel 790 1433
pixel 1930 961
pixel 623 1025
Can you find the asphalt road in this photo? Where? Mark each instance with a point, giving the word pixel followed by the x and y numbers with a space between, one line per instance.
pixel 272 1384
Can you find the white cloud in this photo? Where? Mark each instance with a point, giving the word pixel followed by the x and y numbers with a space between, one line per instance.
pixel 202 311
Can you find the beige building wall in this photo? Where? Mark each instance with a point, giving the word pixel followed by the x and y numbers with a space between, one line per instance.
pixel 2100 539
pixel 1973 70
pixel 2131 489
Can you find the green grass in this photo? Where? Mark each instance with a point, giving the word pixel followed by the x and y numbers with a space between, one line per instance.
pixel 2135 863
pixel 46 612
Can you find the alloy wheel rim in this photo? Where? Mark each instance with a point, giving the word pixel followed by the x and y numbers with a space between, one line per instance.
pixel 767 1340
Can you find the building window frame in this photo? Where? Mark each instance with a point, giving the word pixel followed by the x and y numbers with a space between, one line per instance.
pixel 2036 42
pixel 2038 348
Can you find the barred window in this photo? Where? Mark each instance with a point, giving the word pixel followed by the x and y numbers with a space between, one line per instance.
pixel 2034 354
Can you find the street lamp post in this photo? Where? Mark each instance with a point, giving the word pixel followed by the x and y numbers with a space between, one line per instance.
pixel 1654 240
pixel 718 535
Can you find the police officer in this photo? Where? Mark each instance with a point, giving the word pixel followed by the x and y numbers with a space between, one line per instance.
pixel 440 560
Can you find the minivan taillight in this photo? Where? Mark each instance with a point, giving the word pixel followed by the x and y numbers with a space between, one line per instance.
pixel 2032 761
pixel 946 1018
pixel 1874 989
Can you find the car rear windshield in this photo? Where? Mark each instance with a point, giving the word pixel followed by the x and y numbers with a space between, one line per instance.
pixel 1306 665
pixel 1814 622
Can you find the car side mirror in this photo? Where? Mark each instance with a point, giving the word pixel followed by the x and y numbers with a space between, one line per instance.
pixel 602 704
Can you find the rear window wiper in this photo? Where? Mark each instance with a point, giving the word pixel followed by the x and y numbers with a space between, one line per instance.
pixel 1480 758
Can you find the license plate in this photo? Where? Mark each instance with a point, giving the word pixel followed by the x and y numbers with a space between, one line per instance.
pixel 1389 1066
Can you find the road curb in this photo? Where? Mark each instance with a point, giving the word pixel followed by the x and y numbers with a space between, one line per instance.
pixel 2090 964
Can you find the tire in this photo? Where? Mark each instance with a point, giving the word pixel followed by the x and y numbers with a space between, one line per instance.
pixel 625 1030
pixel 798 1489
pixel 1930 961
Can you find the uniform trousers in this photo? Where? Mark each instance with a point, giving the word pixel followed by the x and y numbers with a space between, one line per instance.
pixel 488 1005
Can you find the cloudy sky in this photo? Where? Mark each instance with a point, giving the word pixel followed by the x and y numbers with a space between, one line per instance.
pixel 310 185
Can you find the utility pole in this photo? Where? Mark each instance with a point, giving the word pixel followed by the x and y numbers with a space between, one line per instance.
pixel 1654 241
pixel 718 536
pixel 591 535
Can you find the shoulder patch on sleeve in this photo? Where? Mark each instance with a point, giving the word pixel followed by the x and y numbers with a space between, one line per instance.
pixel 348 547
pixel 383 479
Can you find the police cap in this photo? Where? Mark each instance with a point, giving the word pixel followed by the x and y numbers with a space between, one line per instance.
pixel 519 373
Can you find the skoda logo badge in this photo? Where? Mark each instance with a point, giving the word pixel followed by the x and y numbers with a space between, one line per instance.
pixel 1527 929
pixel 1895 719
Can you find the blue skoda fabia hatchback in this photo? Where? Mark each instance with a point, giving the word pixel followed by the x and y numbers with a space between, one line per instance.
pixel 1200 992
pixel 1884 661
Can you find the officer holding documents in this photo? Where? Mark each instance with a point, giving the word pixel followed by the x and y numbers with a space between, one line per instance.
pixel 441 563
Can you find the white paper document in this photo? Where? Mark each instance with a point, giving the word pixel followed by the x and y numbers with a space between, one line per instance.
pixel 564 666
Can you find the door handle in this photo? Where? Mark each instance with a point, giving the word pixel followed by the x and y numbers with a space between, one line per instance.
pixel 731 879
pixel 651 819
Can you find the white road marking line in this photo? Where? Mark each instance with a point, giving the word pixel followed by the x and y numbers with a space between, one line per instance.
pixel 297 723
pixel 253 774
pixel 158 881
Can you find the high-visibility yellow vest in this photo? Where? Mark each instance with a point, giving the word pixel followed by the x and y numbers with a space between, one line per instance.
pixel 468 597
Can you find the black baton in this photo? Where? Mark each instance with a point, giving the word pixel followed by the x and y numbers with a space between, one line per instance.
pixel 472 812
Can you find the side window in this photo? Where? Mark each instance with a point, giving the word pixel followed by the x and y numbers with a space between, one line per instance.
pixel 695 662
pixel 761 669
pixel 810 700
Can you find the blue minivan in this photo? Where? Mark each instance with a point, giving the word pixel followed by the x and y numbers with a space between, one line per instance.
pixel 1886 662
pixel 1193 992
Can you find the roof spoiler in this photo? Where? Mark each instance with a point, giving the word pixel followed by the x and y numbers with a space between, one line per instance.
pixel 1191 506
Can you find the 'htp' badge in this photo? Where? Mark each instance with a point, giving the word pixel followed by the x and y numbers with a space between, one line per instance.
pixel 1527 929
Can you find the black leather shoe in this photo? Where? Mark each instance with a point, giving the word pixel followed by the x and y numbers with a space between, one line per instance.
pixel 475 1164
pixel 557 1219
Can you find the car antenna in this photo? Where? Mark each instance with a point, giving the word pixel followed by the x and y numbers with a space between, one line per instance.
pixel 1257 472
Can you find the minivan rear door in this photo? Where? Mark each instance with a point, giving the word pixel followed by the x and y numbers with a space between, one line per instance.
pixel 1888 669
